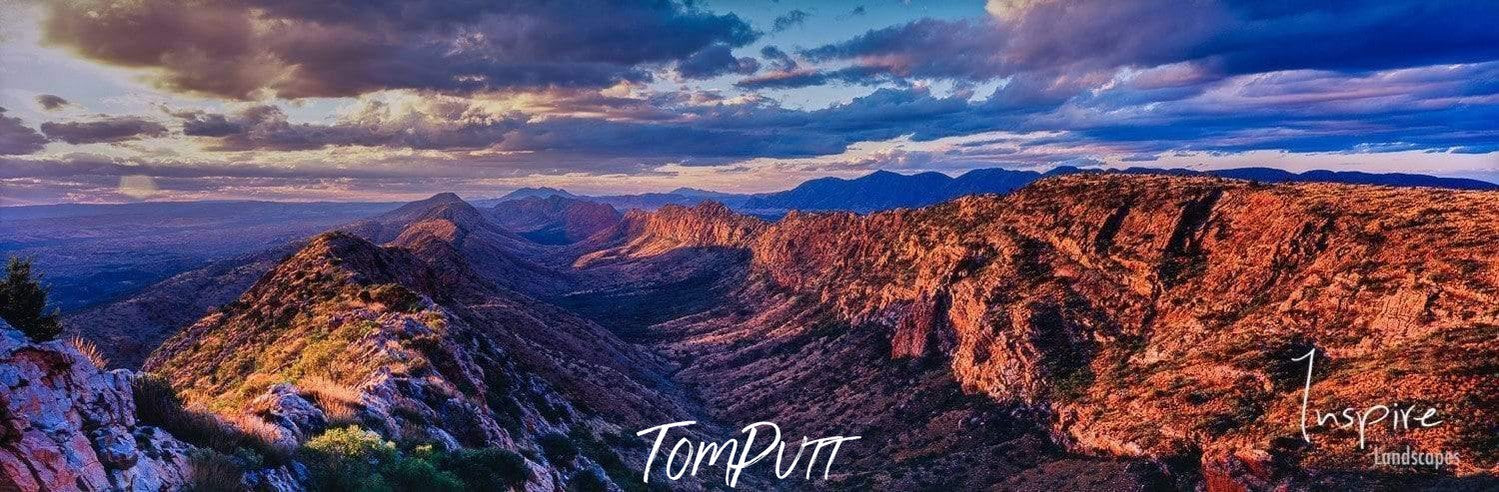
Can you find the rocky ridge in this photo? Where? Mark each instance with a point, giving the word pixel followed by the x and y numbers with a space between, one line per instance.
pixel 419 350
pixel 68 425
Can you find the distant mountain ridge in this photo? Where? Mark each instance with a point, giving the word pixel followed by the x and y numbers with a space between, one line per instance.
pixel 885 190
pixel 555 219
pixel 1272 175
pixel 538 192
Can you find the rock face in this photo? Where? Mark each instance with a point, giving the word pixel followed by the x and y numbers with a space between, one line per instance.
pixel 67 425
pixel 1138 316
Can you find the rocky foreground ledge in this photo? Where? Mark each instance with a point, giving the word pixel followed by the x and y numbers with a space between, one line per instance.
pixel 67 425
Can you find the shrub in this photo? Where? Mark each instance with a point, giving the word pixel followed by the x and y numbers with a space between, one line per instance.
pixel 394 297
pixel 23 302
pixel 351 458
pixel 348 458
pixel 414 473
pixel 558 448
pixel 487 469
pixel 588 481
pixel 212 471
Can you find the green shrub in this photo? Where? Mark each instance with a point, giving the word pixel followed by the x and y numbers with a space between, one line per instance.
pixel 486 469
pixel 351 458
pixel 348 458
pixel 415 473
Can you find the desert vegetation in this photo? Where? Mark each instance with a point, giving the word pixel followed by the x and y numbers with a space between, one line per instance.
pixel 352 458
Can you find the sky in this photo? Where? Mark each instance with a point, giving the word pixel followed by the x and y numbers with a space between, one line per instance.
pixel 116 101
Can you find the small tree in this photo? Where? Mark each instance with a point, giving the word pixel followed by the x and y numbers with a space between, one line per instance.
pixel 23 302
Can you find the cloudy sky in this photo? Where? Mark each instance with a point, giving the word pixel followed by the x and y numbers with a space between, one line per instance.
pixel 111 100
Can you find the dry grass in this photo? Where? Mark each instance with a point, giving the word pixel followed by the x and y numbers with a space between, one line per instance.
pixel 339 402
pixel 257 428
pixel 89 351
pixel 211 471
pixel 157 403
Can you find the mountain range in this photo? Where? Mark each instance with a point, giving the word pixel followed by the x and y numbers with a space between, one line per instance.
pixel 884 190
pixel 1106 331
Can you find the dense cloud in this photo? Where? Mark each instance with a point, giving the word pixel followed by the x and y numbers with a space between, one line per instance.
pixel 1227 38
pixel 1148 112
pixel 50 102
pixel 17 138
pixel 103 130
pixel 294 49
pixel 714 61
pixel 265 127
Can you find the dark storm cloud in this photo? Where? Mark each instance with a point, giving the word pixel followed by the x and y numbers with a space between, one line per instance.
pixel 789 20
pixel 714 61
pixel 50 102
pixel 103 130
pixel 296 49
pixel 17 138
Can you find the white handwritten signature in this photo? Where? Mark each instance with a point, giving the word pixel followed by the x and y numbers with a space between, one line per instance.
pixel 736 459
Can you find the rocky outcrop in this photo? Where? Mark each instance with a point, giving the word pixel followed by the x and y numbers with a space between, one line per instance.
pixel 67 425
pixel 647 234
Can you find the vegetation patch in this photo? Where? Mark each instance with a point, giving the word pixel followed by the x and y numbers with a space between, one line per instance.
pixel 352 458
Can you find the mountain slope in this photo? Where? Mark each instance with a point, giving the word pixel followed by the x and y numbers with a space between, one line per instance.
pixel 128 329
pixel 1133 316
pixel 1092 330
pixel 538 192
pixel 419 349
pixel 554 219
pixel 884 190
pixel 1272 175
pixel 446 221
